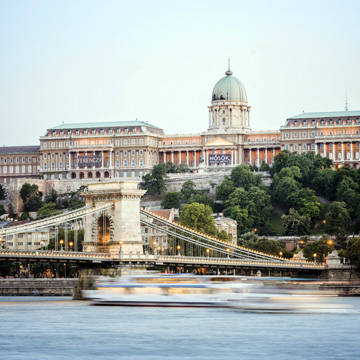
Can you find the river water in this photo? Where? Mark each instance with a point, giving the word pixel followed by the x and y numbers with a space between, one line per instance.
pixel 59 328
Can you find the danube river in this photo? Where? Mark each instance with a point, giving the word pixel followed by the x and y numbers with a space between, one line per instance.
pixel 59 328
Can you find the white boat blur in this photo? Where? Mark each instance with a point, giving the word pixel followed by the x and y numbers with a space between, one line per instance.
pixel 240 293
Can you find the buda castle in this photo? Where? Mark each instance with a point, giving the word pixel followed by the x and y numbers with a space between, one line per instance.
pixel 131 148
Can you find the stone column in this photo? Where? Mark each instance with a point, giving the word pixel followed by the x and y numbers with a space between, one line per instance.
pixel 316 148
pixel 194 158
pixel 333 144
pixel 325 153
pixel 102 159
pixel 250 150
pixel 351 151
pixel 187 157
pixel 342 151
pixel 209 118
pixel 172 156
pixel 266 155
pixel 258 156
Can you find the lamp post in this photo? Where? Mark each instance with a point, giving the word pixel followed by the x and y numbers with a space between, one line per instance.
pixel 208 252
pixel 154 248
pixel 178 248
pixel 280 253
pixel 65 270
pixel 71 244
pixel 61 245
pixel 121 251
pixel 314 256
pixel 42 244
pixel 228 255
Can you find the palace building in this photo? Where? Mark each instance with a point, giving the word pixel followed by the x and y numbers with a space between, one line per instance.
pixel 132 148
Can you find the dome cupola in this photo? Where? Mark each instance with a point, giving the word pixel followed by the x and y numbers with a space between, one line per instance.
pixel 229 88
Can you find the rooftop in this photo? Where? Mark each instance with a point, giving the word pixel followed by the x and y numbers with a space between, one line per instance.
pixel 19 149
pixel 313 115
pixel 105 124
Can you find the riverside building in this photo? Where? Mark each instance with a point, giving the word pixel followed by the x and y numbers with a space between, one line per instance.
pixel 132 148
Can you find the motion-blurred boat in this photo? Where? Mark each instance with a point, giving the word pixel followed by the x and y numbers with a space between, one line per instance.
pixel 168 290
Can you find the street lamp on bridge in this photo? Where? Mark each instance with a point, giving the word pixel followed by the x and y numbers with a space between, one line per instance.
pixel 61 245
pixel 208 252
pixel 178 248
pixel 71 244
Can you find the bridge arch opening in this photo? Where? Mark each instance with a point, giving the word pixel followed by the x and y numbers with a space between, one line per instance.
pixel 90 175
pixel 98 175
pixel 81 175
pixel 106 174
pixel 103 233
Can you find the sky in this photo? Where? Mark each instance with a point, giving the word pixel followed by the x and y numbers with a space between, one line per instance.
pixel 158 61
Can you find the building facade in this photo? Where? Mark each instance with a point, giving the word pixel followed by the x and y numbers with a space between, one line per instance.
pixel 19 162
pixel 132 148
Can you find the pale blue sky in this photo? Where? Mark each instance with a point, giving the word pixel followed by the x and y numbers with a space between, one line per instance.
pixel 83 61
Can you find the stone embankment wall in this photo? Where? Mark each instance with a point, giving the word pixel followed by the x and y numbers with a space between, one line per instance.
pixel 37 287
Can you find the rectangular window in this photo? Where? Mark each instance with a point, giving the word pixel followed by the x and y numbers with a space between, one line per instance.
pixel 29 169
pixel 11 169
pixel 23 169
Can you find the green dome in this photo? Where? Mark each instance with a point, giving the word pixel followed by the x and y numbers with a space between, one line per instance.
pixel 229 88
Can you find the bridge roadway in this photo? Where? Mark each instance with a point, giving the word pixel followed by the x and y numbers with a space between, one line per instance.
pixel 83 258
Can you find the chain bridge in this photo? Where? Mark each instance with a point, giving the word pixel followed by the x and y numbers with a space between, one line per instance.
pixel 112 219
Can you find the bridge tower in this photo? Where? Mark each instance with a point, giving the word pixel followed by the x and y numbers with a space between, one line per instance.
pixel 117 228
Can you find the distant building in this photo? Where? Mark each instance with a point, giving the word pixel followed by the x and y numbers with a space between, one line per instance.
pixel 227 224
pixel 31 240
pixel 19 162
pixel 154 238
pixel 131 148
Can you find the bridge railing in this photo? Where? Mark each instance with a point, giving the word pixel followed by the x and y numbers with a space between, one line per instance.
pixel 55 220
pixel 192 236
pixel 231 261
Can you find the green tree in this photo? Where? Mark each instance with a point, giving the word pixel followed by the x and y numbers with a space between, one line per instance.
pixel 31 197
pixel 321 248
pixel 2 193
pixel 264 166
pixel 241 176
pixel 323 182
pixel 154 183
pixel 201 199
pixel 223 235
pixel 198 217
pixel 295 224
pixel 224 190
pixel 47 210
pixel 280 161
pixel 271 247
pixel 337 219
pixel 305 202
pixel 188 189
pixel 244 222
pixel 353 250
pixel 347 191
pixel 171 200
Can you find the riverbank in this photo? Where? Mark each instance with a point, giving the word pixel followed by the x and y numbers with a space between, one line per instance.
pixel 37 287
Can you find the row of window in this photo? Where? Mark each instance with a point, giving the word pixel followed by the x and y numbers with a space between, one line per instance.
pixel 23 169
pixel 60 144
pixel 95 131
pixel 17 160
pixel 264 139
pixel 327 122
pixel 179 142
pixel 305 134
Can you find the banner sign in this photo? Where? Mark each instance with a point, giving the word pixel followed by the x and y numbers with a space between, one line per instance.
pixel 220 159
pixel 93 160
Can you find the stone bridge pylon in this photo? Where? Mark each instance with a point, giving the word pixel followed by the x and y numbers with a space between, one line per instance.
pixel 117 227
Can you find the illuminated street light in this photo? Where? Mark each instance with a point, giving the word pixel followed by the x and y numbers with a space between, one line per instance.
pixel 42 243
pixel 280 253
pixel 61 245
pixel 208 252
pixel 330 242
pixel 71 244
pixel 178 248
pixel 228 250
